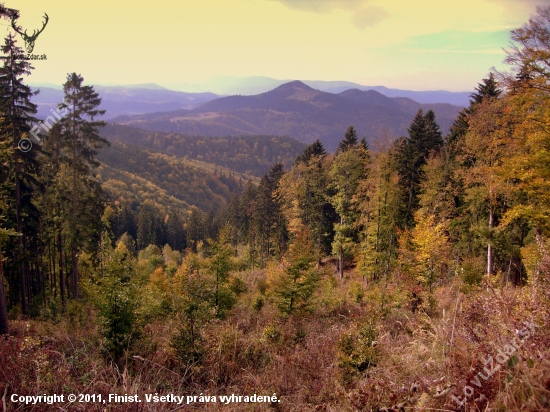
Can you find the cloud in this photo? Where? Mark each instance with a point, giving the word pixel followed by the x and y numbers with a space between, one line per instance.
pixel 453 51
pixel 369 16
pixel 321 6
pixel 363 14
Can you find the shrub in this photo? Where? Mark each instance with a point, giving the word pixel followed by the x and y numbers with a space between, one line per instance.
pixel 357 351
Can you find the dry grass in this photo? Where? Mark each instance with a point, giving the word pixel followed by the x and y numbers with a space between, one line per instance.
pixel 299 357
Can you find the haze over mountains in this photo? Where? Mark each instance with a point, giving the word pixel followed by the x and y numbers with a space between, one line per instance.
pixel 150 97
pixel 127 100
pixel 228 85
pixel 299 111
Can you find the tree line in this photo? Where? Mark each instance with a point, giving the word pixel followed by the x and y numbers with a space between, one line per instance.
pixel 50 204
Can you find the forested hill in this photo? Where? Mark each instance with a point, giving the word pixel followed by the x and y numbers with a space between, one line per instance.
pixel 133 175
pixel 299 111
pixel 252 155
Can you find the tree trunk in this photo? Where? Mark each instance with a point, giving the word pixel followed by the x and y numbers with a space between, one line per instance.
pixel 3 307
pixel 489 245
pixel 341 261
pixel 74 247
pixel 62 281
pixel 24 305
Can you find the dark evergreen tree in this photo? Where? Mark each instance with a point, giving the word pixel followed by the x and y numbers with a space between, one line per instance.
pixel 150 226
pixel 195 230
pixel 313 150
pixel 20 177
pixel 268 225
pixel 487 89
pixel 209 225
pixel 349 141
pixel 433 139
pixel 175 233
pixel 410 154
pixel 235 219
pixel 124 221
pixel 81 141
pixel 346 172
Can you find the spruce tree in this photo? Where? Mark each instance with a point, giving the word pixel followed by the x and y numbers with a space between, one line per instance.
pixel 234 218
pixel 175 235
pixel 433 139
pixel 349 141
pixel 20 176
pixel 294 285
pixel 313 150
pixel 487 89
pixel 411 154
pixel 346 172
pixel 81 140
pixel 150 229
pixel 268 221
pixel 4 236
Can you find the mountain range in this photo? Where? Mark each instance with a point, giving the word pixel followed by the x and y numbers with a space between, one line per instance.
pixel 251 85
pixel 299 111
pixel 135 99
pixel 126 100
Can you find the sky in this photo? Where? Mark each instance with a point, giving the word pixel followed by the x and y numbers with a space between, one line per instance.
pixel 414 45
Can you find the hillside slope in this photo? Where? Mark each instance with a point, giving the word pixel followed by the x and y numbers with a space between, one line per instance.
pixel 251 155
pixel 135 174
pixel 295 110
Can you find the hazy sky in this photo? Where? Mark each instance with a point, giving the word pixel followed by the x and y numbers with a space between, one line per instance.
pixel 412 44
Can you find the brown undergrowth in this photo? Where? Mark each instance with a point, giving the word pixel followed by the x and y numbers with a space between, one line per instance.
pixel 360 349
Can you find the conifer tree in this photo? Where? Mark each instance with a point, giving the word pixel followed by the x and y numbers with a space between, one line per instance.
pixel 194 229
pixel 175 235
pixel 81 141
pixel 313 150
pixel 349 141
pixel 268 220
pixel 235 219
pixel 4 235
pixel 487 89
pixel 433 139
pixel 379 202
pixel 247 205
pixel 293 286
pixel 219 267
pixel 150 226
pixel 15 124
pixel 411 153
pixel 346 172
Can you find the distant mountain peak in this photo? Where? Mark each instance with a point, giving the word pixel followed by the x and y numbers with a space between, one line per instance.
pixel 293 85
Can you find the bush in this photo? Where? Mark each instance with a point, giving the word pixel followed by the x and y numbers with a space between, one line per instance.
pixel 357 351
pixel 187 344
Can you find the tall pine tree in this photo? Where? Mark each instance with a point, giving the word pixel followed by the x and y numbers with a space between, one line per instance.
pixel 20 179
pixel 81 139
